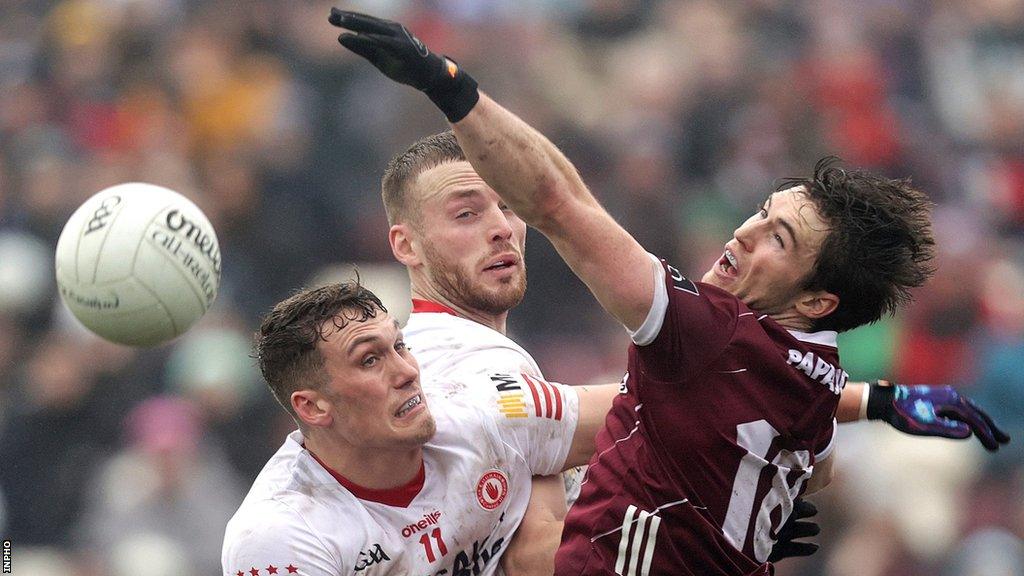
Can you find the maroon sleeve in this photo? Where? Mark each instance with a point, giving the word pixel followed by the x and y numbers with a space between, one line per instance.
pixel 698 324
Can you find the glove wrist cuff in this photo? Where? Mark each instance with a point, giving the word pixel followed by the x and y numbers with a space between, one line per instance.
pixel 880 400
pixel 457 95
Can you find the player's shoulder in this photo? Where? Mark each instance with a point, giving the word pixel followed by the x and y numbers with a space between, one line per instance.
pixel 451 330
pixel 275 530
pixel 295 524
pixel 294 490
pixel 694 308
pixel 449 347
pixel 815 355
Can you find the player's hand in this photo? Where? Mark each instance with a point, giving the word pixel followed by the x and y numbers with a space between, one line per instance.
pixel 405 59
pixel 933 411
pixel 797 526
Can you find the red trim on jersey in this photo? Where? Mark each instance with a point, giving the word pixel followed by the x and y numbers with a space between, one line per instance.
pixel 533 390
pixel 400 496
pixel 558 401
pixel 550 390
pixel 428 306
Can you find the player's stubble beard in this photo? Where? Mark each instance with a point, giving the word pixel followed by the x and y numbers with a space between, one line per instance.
pixel 458 286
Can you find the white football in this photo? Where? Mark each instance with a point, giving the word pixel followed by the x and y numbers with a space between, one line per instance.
pixel 138 264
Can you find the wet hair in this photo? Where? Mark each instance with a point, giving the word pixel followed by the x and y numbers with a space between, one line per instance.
pixel 879 243
pixel 286 343
pixel 403 170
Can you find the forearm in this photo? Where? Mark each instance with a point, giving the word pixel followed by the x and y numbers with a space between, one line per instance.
pixel 536 180
pixel 540 185
pixel 532 549
pixel 852 402
pixel 522 165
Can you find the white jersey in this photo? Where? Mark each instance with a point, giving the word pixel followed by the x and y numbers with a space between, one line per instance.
pixel 454 519
pixel 446 345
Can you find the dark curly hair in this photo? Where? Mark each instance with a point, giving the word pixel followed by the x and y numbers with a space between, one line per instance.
pixel 879 245
pixel 286 343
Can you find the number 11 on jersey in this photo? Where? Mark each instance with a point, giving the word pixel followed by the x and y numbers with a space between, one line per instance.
pixel 429 548
pixel 756 438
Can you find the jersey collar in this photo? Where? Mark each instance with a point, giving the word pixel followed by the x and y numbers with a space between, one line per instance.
pixel 400 496
pixel 824 337
pixel 428 306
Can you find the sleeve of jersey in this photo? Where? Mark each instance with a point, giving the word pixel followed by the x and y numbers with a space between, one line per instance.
pixel 688 323
pixel 278 540
pixel 537 419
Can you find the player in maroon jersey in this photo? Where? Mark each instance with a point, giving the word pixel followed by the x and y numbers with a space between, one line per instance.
pixel 727 411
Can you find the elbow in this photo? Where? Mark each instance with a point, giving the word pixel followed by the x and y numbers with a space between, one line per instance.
pixel 557 208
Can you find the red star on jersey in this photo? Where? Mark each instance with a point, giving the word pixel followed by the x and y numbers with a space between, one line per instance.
pixel 239 573
pixel 291 569
pixel 271 569
pixel 255 572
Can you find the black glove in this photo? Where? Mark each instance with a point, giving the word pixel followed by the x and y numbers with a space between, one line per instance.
pixel 933 411
pixel 785 547
pixel 405 59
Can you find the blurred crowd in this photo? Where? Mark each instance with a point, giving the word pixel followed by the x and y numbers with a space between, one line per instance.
pixel 680 114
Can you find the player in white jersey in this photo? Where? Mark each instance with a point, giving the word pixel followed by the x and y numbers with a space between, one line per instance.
pixel 381 478
pixel 463 248
pixel 464 253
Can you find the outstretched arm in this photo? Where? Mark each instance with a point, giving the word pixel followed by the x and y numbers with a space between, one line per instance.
pixel 545 190
pixel 921 411
pixel 522 166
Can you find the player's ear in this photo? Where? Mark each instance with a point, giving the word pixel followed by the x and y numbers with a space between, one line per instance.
pixel 817 304
pixel 312 408
pixel 401 238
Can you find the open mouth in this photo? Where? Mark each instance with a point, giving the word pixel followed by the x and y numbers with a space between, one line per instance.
pixel 727 264
pixel 502 263
pixel 409 405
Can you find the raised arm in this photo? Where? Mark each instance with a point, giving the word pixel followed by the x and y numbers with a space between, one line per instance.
pixel 540 185
pixel 522 166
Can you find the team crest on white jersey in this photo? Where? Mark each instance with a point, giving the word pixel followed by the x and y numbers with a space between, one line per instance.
pixel 492 489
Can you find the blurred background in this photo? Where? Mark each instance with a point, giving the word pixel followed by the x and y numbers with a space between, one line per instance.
pixel 680 114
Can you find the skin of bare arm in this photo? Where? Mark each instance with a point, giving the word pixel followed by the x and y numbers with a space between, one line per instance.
pixel 850 401
pixel 532 549
pixel 543 187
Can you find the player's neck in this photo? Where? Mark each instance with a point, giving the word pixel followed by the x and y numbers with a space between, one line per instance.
pixel 791 319
pixel 372 468
pixel 492 321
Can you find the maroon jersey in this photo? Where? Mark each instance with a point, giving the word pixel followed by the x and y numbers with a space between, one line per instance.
pixel 717 426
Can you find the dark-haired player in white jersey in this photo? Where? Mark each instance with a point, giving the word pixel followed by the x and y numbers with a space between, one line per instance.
pixel 727 413
pixel 383 477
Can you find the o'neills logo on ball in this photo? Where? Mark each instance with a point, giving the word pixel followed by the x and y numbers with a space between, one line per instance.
pixel 202 239
pixel 491 489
